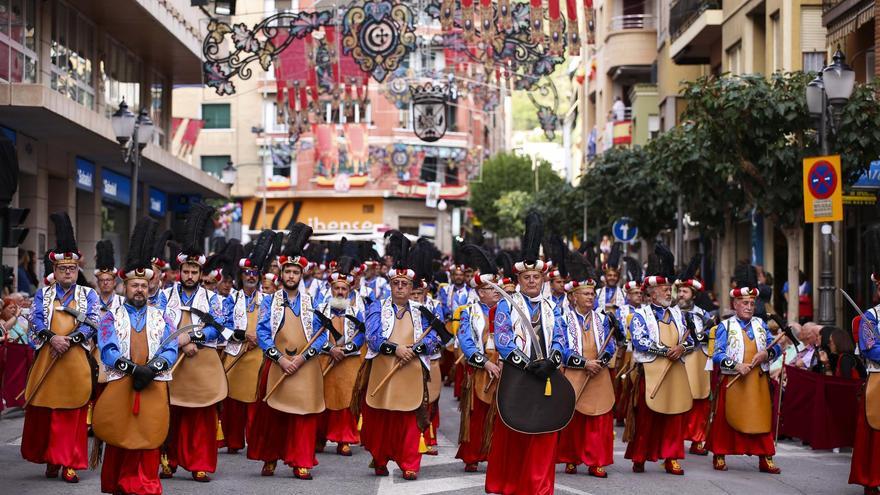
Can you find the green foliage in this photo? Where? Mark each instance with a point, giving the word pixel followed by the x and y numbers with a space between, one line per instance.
pixel 506 172
pixel 512 207
pixel 562 207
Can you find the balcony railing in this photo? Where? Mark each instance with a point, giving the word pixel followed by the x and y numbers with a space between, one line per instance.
pixel 683 13
pixel 636 21
pixel 830 4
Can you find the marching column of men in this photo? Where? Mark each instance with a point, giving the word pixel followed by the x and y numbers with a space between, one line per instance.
pixel 543 375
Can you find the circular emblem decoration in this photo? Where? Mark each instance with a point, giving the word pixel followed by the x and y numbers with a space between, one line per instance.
pixel 399 158
pixel 378 35
pixel 378 38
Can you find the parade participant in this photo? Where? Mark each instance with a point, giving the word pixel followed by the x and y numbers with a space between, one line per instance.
pixel 556 275
pixel 198 380
pixel 589 437
pixel 161 266
pixel 212 272
pixel 477 341
pixel 661 395
pixel 291 335
pixel 401 336
pixel 242 360
pixel 610 297
pixel 456 293
pixel 105 277
pixel 59 383
pixel 742 423
pixel 344 358
pixel 372 285
pixel 132 416
pixel 866 448
pixel 695 362
pixel 522 462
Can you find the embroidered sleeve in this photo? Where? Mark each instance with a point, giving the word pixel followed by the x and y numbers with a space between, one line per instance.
pixel 431 344
pixel 465 335
pixel 641 339
pixel 720 357
pixel 92 315
pixel 867 336
pixel 169 352
pixel 374 326
pixel 612 346
pixel 264 325
pixel 108 341
pixel 504 334
pixel 559 328
pixel 38 332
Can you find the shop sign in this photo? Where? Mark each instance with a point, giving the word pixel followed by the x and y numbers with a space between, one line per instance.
pixel 158 202
pixel 85 175
pixel 116 187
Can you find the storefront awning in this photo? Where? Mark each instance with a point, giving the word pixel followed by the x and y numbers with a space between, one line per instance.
pixel 846 24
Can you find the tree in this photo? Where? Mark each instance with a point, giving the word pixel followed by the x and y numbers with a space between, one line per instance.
pixel 507 172
pixel 512 207
pixel 562 207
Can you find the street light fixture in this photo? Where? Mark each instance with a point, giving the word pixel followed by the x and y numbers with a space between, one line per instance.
pixel 229 174
pixel 826 96
pixel 133 133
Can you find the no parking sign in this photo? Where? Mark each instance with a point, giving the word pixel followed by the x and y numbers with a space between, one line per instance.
pixel 823 200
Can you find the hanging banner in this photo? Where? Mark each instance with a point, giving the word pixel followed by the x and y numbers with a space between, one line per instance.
pixel 823 199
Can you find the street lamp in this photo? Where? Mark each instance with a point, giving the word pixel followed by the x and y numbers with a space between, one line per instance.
pixel 133 133
pixel 826 96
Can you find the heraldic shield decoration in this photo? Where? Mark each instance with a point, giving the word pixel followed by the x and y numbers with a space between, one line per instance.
pixel 429 111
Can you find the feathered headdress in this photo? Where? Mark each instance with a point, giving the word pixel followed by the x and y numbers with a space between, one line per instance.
pixel 213 267
pixel 531 245
pixel 343 267
pixel 504 261
pixel 459 258
pixel 159 259
pixel 581 271
pixel 745 277
pixel 633 274
pixel 486 271
pixel 233 253
pixel 687 278
pixel 105 261
pixel 613 262
pixel 661 267
pixel 397 246
pixel 65 252
pixel 197 226
pixel 260 249
pixel 293 252
pixel 421 261
pixel 138 263
pixel 554 256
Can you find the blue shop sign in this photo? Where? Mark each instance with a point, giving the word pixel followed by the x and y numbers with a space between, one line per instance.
pixel 158 202
pixel 871 178
pixel 117 187
pixel 9 133
pixel 85 175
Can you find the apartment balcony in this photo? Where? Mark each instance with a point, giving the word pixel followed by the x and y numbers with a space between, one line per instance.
pixel 695 30
pixel 842 17
pixel 630 46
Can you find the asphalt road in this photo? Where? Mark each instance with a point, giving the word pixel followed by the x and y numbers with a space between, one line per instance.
pixel 804 471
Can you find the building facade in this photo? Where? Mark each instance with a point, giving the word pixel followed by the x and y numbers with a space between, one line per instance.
pixel 65 67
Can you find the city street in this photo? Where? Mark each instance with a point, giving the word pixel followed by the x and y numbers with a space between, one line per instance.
pixel 803 471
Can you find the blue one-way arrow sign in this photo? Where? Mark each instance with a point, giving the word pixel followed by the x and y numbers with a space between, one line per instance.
pixel 624 230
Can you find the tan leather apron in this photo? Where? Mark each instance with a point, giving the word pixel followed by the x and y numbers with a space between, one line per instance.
pixel 68 384
pixel 872 400
pixel 243 377
pixel 405 390
pixel 481 376
pixel 674 395
pixel 747 403
pixel 302 392
pixel 114 420
pixel 339 382
pixel 598 396
pixel 198 381
pixel 698 377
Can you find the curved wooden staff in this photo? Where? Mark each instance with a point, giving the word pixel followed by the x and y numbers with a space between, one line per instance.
pixel 775 341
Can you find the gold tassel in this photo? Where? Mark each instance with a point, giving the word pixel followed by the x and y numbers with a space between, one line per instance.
pixel 360 422
pixel 423 447
pixel 220 437
pixel 548 390
pixel 89 414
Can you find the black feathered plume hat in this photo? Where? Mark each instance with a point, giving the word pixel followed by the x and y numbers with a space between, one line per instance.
pixel 159 259
pixel 745 279
pixel 554 257
pixel 197 226
pixel 581 271
pixel 343 267
pixel 486 271
pixel 232 255
pixel 460 259
pixel 139 262
pixel 612 264
pixel 421 260
pixel 105 261
pixel 256 259
pixel 65 252
pixel 688 278
pixel 293 252
pixel 633 275
pixel 504 261
pixel 531 246
pixel 661 267
pixel 397 246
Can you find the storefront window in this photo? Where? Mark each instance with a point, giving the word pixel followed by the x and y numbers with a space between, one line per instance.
pixel 216 115
pixel 215 164
pixel 157 107
pixel 18 60
pixel 121 76
pixel 72 50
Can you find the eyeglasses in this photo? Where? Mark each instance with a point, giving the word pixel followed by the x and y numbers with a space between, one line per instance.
pixel 67 268
pixel 251 273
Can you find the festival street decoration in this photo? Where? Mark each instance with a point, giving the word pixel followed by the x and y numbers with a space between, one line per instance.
pixel 379 35
pixel 429 111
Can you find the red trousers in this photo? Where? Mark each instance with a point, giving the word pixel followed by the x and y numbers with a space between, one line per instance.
pixel 192 438
pixel 18 360
pixel 864 469
pixel 695 420
pixel 236 418
pixel 130 471
pixel 724 440
pixel 519 463
pixel 460 374
pixel 56 436
pixel 433 428
pixel 278 435
pixel 469 451
pixel 338 426
pixel 587 440
pixel 392 436
pixel 657 436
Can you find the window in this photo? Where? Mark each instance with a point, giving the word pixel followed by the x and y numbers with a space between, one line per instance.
pixel 72 50
pixel 121 76
pixel 157 106
pixel 812 38
pixel 869 65
pixel 776 39
pixel 404 117
pixel 215 164
pixel 734 59
pixel 271 117
pixel 18 58
pixel 216 115
pixel 429 169
pixel 814 61
pixel 452 116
